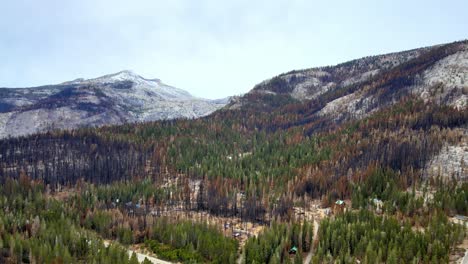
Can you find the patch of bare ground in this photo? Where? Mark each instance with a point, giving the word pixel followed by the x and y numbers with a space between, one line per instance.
pixel 460 254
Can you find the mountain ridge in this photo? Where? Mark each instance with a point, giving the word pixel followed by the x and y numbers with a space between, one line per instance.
pixel 122 97
pixel 351 83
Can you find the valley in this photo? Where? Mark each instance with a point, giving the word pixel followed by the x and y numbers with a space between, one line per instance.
pixel 361 162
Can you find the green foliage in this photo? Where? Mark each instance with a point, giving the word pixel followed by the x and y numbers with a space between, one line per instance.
pixel 383 184
pixel 174 254
pixel 274 243
pixel 37 229
pixel 451 197
pixel 271 157
pixel 274 151
pixel 375 239
pixel 193 242
pixel 126 192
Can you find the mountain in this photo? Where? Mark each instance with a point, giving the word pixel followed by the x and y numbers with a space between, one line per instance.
pixel 356 88
pixel 324 98
pixel 123 97
pixel 406 111
pixel 385 135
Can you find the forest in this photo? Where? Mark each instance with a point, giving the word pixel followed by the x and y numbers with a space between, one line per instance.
pixel 273 245
pixel 65 191
pixel 37 227
pixel 376 239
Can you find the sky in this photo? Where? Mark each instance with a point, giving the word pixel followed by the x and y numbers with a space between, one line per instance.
pixel 211 48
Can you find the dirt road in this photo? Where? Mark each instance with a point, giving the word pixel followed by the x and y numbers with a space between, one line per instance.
pixel 311 253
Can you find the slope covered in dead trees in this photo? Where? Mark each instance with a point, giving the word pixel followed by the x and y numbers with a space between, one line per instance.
pixel 272 151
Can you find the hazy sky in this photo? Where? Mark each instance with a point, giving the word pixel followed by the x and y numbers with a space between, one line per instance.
pixel 212 48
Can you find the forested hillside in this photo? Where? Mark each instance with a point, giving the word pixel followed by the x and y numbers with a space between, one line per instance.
pixel 278 147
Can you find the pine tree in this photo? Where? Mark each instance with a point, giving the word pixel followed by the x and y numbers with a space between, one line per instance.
pixel 134 259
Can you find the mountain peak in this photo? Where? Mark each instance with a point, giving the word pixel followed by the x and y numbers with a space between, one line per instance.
pixel 139 84
pixel 124 75
pixel 110 99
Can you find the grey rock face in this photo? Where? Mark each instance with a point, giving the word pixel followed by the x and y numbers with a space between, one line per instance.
pixel 443 80
pixel 111 99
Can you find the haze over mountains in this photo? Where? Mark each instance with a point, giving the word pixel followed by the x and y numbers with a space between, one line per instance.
pixel 123 97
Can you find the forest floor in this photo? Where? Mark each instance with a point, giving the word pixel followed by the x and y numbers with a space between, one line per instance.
pixel 460 254
pixel 241 229
pixel 230 226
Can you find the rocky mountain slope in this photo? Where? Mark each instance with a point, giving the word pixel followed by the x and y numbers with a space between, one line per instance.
pixel 384 134
pixel 404 111
pixel 111 99
pixel 356 88
pixel 322 98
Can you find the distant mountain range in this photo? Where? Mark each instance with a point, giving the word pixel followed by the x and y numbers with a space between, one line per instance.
pixel 117 98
